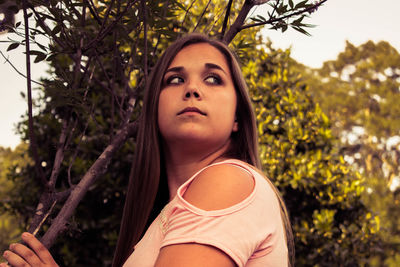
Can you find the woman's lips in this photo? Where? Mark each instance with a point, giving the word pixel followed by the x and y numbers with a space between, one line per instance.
pixel 191 109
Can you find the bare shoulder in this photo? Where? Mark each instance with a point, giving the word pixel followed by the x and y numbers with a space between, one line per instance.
pixel 219 187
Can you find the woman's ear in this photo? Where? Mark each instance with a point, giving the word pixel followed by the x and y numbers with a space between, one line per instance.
pixel 235 126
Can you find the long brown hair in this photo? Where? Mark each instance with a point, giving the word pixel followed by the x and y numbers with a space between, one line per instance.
pixel 146 189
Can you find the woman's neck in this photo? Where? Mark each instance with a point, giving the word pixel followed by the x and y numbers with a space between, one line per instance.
pixel 182 164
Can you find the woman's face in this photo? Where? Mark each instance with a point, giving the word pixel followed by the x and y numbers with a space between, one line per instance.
pixel 197 101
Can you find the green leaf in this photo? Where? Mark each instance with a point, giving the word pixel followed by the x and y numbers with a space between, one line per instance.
pixel 281 9
pixel 42 47
pixel 301 4
pixel 35 53
pixel 301 30
pixel 298 21
pixel 12 46
pixel 181 6
pixel 40 57
pixel 256 19
pixel 51 57
pixel 261 18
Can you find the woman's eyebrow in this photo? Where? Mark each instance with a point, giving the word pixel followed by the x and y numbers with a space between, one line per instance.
pixel 174 69
pixel 214 66
pixel 207 66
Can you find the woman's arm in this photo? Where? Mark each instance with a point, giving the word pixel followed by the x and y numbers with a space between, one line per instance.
pixel 36 255
pixel 193 255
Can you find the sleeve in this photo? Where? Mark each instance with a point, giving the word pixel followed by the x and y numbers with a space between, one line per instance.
pixel 240 231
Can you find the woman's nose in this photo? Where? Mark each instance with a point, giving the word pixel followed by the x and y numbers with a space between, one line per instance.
pixel 192 91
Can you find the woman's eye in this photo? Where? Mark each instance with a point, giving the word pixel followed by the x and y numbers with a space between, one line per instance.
pixel 213 80
pixel 174 80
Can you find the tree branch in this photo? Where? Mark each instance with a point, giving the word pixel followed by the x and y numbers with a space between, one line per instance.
pixel 258 2
pixel 309 9
pixel 239 21
pixel 227 14
pixel 44 208
pixel 95 171
pixel 237 26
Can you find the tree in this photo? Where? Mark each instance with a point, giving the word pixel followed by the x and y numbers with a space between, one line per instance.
pixel 331 225
pixel 360 92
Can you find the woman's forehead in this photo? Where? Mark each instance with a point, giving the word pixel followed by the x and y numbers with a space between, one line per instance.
pixel 200 53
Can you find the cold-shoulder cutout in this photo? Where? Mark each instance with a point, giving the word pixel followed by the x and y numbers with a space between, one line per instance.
pixel 219 187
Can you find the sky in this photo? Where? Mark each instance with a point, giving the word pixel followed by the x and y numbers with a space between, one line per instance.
pixel 356 21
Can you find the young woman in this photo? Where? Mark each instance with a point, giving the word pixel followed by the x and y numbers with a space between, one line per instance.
pixel 195 184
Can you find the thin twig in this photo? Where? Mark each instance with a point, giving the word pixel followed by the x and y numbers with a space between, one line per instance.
pixel 103 34
pixel 215 22
pixel 69 140
pixel 83 132
pixel 74 10
pixel 92 9
pixel 77 147
pixel 83 16
pixel 59 155
pixel 20 73
pixel 113 82
pixel 275 7
pixel 65 34
pixel 201 16
pixel 144 12
pixel 110 87
pixel 108 11
pixel 77 67
pixel 85 70
pixel 32 138
pixel 41 23
pixel 44 218
pixel 186 13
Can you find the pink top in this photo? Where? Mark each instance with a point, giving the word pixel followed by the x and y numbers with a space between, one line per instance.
pixel 250 232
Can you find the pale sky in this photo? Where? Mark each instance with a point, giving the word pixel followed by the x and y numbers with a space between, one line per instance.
pixel 337 21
